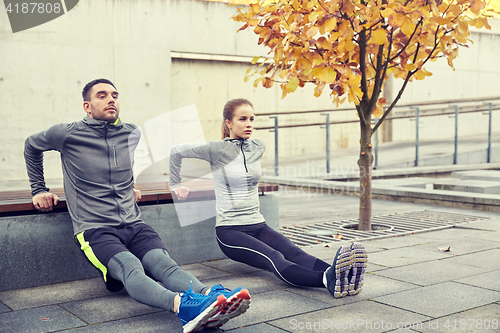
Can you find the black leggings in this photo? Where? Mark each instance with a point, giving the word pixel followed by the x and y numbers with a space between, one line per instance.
pixel 260 246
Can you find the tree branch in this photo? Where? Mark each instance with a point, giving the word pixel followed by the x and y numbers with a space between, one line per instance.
pixel 362 64
pixel 381 75
pixel 386 113
pixel 378 79
pixel 409 40
pixel 400 93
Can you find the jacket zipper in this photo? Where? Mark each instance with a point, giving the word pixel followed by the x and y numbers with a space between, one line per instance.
pixel 114 154
pixel 110 182
pixel 244 158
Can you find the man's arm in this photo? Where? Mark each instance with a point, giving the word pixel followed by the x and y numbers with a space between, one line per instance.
pixel 137 195
pixel 34 146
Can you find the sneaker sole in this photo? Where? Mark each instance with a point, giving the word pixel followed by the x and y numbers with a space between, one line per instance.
pixel 202 318
pixel 359 260
pixel 234 306
pixel 342 267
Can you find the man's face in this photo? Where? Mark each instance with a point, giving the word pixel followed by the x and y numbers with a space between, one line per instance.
pixel 103 104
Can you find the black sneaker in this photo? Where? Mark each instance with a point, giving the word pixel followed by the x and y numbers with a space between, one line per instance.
pixel 359 260
pixel 336 275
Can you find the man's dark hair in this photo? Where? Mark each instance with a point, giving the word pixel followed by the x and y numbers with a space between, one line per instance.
pixel 88 86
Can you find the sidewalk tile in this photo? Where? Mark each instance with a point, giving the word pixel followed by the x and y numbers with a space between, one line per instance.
pixel 485 260
pixel 108 308
pixel 440 299
pixel 493 236
pixel 259 328
pixel 404 256
pixel 43 319
pixel 273 305
pixel 164 322
pixel 432 272
pixel 54 294
pixel 460 246
pixel 491 224
pixel 256 283
pixel 365 316
pixel 325 253
pixel 4 308
pixel 480 319
pixel 204 271
pixel 393 243
pixel 405 330
pixel 374 286
pixel 230 266
pixel 449 234
pixel 371 267
pixel 489 280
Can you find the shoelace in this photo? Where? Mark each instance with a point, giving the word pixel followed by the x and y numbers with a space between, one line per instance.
pixel 219 288
pixel 189 296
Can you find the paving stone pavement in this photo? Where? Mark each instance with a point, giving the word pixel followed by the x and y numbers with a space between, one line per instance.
pixel 410 286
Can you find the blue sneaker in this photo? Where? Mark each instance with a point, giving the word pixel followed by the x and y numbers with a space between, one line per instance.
pixel 336 275
pixel 196 309
pixel 355 276
pixel 237 303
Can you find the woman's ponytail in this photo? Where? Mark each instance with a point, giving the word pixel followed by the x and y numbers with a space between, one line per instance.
pixel 225 130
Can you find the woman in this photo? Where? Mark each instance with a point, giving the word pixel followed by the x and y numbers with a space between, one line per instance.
pixel 241 230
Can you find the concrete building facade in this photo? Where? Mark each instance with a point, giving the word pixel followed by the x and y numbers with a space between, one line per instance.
pixel 166 54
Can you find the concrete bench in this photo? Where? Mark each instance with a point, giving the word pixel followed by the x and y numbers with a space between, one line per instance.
pixel 38 248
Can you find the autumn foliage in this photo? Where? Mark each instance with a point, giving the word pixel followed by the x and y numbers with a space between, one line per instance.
pixel 349 47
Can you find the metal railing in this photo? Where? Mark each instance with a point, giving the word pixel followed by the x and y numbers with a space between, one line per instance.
pixel 415 112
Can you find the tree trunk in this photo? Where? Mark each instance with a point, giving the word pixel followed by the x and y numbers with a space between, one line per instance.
pixel 365 164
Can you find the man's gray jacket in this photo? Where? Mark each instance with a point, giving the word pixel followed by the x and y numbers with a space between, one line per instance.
pixel 97 159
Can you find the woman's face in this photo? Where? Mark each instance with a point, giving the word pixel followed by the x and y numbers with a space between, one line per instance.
pixel 241 126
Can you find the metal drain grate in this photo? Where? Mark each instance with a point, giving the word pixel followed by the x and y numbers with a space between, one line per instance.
pixel 399 223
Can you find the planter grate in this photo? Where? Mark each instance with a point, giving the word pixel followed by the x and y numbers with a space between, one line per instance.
pixel 401 223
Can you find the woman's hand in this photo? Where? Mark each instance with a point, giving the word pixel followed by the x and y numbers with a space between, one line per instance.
pixel 181 192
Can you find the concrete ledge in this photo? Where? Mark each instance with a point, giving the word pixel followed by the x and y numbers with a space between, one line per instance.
pixel 38 249
pixel 399 189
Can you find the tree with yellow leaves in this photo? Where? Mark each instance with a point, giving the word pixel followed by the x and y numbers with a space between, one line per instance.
pixel 351 46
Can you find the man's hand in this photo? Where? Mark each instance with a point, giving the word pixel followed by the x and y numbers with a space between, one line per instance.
pixel 45 201
pixel 137 195
pixel 181 192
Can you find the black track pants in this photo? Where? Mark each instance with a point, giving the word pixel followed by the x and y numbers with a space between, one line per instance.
pixel 260 246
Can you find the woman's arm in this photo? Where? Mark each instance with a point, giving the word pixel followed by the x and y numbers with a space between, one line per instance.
pixel 186 150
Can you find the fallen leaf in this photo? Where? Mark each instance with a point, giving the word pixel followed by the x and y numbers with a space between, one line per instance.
pixel 338 236
pixel 444 249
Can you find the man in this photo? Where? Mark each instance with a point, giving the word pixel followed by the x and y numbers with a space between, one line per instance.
pixel 97 158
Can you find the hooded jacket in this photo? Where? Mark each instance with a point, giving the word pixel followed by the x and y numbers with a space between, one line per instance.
pixel 236 170
pixel 97 159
